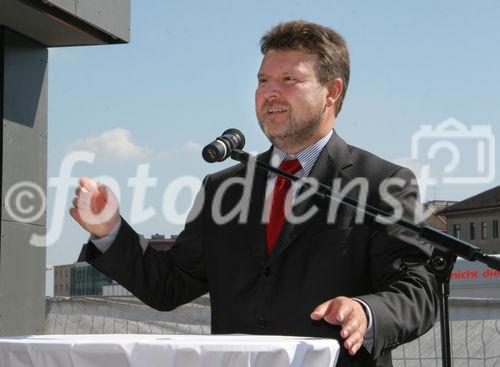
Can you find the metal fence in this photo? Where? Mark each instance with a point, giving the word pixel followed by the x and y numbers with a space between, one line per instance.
pixel 474 343
pixel 475 329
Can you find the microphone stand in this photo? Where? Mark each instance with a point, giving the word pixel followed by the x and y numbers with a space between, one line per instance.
pixel 447 249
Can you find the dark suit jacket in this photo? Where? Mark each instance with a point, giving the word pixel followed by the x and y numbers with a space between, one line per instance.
pixel 311 263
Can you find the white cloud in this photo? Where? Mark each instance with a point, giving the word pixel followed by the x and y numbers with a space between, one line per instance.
pixel 116 144
pixel 190 146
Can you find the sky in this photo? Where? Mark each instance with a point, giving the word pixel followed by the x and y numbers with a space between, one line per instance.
pixel 189 73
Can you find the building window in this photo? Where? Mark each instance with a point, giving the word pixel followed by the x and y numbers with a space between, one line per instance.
pixel 472 231
pixel 483 230
pixel 456 230
pixel 495 229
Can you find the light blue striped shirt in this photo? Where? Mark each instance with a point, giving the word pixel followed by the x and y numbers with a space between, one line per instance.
pixel 307 158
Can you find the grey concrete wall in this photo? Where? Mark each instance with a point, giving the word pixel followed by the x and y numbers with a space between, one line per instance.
pixel 24 162
pixel 57 23
pixel 113 16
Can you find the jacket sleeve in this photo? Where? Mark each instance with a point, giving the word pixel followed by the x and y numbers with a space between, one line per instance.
pixel 404 303
pixel 163 280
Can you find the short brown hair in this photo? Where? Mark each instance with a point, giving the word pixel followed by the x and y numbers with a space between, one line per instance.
pixel 313 38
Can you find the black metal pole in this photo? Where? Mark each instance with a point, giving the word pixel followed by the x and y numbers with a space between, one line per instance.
pixel 445 324
pixel 441 264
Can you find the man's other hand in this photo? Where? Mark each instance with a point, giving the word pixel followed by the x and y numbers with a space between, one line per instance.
pixel 95 207
pixel 350 315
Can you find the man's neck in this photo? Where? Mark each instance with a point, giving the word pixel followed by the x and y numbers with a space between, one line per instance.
pixel 306 157
pixel 294 149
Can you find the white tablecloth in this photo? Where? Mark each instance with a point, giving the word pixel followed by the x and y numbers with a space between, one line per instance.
pixel 130 350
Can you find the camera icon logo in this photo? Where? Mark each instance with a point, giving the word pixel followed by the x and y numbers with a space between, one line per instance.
pixel 475 145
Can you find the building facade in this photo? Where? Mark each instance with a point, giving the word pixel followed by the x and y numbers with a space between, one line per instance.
pixel 81 279
pixel 434 218
pixel 87 280
pixel 476 220
pixel 62 280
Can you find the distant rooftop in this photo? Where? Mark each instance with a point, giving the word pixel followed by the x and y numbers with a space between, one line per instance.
pixel 485 200
pixel 440 203
pixel 435 219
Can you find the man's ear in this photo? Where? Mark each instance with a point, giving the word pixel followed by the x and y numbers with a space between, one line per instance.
pixel 335 88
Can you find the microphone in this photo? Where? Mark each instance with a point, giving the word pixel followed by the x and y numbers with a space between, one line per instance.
pixel 221 148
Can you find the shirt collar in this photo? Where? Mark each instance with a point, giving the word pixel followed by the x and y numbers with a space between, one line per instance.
pixel 306 157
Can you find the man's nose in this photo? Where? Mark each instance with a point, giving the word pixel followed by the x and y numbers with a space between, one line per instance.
pixel 271 90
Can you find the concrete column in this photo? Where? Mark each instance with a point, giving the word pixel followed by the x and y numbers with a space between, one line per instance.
pixel 23 113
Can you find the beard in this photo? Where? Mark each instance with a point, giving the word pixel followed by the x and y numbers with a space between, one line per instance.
pixel 291 131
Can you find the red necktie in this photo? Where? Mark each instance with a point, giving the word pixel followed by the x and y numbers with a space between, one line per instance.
pixel 281 188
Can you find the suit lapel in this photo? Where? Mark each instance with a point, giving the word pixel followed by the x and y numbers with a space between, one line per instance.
pixel 331 163
pixel 256 228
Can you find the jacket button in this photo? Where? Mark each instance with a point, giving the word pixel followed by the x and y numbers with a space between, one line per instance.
pixel 267 271
pixel 261 323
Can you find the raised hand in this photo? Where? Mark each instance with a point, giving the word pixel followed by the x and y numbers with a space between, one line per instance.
pixel 95 207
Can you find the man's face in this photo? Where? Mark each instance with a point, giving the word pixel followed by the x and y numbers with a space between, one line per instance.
pixel 290 101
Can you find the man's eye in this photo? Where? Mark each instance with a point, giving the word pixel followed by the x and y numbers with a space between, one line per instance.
pixel 262 81
pixel 289 78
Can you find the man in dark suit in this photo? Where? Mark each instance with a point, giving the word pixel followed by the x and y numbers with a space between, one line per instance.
pixel 285 268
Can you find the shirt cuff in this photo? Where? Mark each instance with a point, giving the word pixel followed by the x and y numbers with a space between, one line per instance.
pixel 368 339
pixel 104 243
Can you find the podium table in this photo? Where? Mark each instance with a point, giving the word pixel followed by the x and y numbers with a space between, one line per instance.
pixel 132 350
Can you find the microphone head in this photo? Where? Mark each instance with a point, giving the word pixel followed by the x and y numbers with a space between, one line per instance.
pixel 221 148
pixel 214 151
